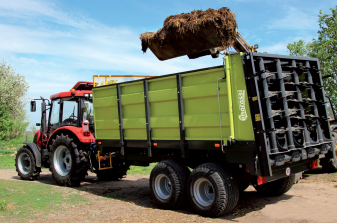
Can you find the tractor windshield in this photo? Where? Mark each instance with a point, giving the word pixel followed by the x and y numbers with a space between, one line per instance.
pixel 69 115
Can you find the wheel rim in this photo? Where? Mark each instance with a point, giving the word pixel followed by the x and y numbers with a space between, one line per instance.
pixel 24 163
pixel 62 160
pixel 203 192
pixel 163 186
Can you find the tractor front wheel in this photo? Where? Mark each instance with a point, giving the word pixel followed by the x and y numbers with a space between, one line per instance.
pixel 67 163
pixel 25 163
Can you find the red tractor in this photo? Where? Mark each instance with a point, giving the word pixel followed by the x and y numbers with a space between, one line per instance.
pixel 65 143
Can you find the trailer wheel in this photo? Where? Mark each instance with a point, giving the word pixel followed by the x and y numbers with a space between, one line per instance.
pixel 329 163
pixel 168 184
pixel 212 190
pixel 67 163
pixel 26 164
pixel 277 187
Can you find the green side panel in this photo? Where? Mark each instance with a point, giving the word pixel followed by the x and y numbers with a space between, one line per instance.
pixel 243 128
pixel 201 106
pixel 164 116
pixel 133 111
pixel 106 112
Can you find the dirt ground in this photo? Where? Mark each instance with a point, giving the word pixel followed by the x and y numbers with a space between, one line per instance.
pixel 313 199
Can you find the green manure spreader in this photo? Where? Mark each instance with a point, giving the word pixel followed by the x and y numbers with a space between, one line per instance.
pixel 258 119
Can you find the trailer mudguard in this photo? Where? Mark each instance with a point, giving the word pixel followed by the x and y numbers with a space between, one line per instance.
pixel 36 150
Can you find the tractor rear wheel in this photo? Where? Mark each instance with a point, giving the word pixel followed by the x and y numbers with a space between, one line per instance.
pixel 26 164
pixel 68 165
pixel 329 162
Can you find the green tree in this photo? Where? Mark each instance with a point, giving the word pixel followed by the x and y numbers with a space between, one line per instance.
pixel 6 123
pixel 325 49
pixel 13 88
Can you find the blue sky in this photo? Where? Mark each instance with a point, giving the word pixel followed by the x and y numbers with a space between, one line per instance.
pixel 55 43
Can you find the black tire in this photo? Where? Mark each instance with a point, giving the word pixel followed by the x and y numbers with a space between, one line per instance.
pixel 116 173
pixel 25 164
pixel 212 190
pixel 73 173
pixel 329 162
pixel 168 184
pixel 243 185
pixel 277 187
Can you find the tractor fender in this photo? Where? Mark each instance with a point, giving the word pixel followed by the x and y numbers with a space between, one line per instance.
pixel 78 132
pixel 36 150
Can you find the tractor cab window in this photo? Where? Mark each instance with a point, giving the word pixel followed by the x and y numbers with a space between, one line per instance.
pixel 69 115
pixel 55 114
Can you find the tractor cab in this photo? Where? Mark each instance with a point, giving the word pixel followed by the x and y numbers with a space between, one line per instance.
pixel 73 107
pixel 67 110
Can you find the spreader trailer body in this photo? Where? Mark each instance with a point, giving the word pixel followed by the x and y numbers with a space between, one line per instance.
pixel 259 119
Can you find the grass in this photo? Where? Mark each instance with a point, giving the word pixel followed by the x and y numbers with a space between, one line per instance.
pixel 140 169
pixel 22 200
pixel 7 162
pixel 12 145
pixel 8 149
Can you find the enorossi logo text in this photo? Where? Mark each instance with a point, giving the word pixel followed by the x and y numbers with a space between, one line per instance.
pixel 241 98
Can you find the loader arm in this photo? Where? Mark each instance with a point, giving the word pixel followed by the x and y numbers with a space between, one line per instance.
pixel 241 45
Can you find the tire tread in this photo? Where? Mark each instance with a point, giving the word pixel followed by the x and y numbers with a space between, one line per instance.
pixel 79 168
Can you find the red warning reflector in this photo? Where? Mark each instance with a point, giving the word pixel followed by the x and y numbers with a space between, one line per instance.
pixel 99 143
pixel 314 164
pixel 155 144
pixel 217 145
pixel 261 180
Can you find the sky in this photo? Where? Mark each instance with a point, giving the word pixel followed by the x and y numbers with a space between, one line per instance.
pixel 55 43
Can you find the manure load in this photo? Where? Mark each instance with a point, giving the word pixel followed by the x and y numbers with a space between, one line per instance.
pixel 190 33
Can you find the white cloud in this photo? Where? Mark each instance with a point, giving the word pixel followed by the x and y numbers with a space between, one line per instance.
pixel 295 19
pixel 277 48
pixel 87 45
pixel 54 49
pixel 281 46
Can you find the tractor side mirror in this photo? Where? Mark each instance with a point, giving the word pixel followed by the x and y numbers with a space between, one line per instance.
pixel 33 106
